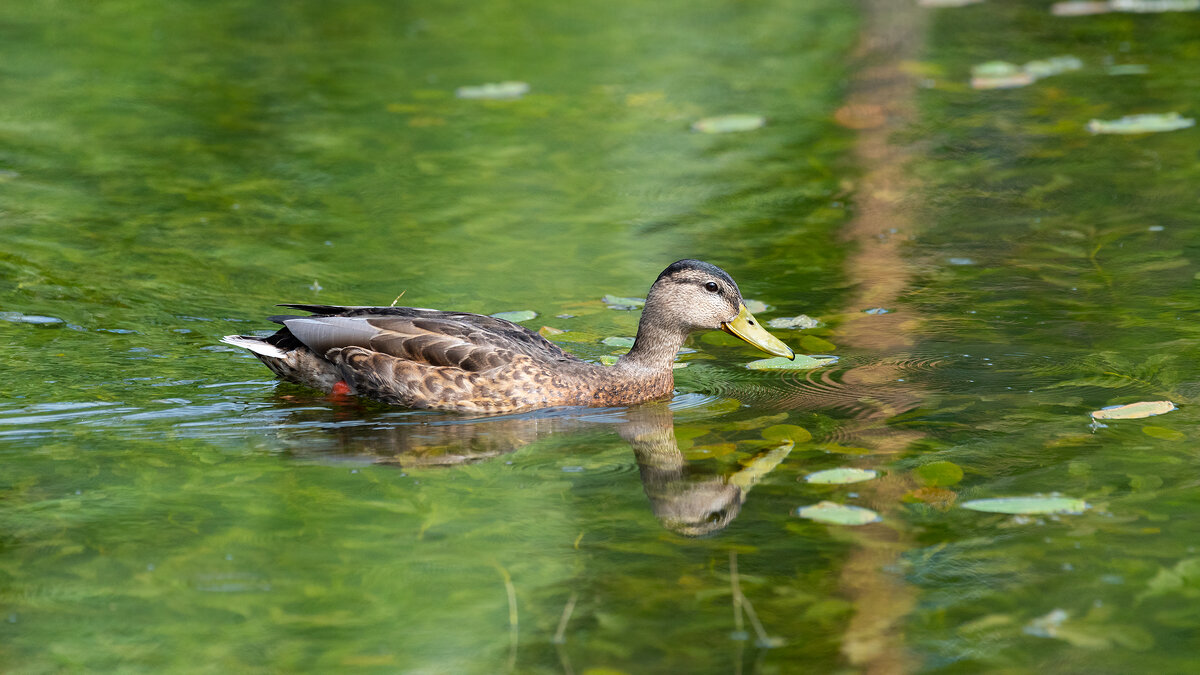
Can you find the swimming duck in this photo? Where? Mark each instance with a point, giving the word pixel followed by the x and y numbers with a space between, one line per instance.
pixel 435 360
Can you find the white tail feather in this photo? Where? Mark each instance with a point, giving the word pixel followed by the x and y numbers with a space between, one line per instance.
pixel 255 345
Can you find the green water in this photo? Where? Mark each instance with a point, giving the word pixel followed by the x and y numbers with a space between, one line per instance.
pixel 170 171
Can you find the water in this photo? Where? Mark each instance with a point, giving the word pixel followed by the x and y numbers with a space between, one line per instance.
pixel 168 173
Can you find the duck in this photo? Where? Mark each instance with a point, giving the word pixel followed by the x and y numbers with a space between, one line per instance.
pixel 428 359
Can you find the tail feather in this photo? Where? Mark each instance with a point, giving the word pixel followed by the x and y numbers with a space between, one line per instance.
pixel 256 345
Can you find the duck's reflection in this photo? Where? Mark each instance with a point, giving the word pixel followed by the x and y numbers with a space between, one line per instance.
pixel 686 501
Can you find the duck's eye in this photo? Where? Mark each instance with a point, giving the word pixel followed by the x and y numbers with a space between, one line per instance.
pixel 712 287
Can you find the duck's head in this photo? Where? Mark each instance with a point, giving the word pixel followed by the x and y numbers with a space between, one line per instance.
pixel 697 296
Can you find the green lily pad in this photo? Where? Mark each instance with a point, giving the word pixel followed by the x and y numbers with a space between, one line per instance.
pixel 786 432
pixel 725 124
pixel 838 514
pixel 609 359
pixel 1141 124
pixel 939 474
pixel 1134 411
pixel 802 321
pixel 1052 66
pixel 801 362
pixel 617 302
pixel 1034 505
pixel 841 476
pixel 519 315
pixel 618 341
pixel 494 90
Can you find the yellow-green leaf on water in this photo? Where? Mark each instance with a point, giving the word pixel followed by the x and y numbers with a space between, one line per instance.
pixel 1141 124
pixel 801 362
pixel 801 321
pixel 494 90
pixel 1133 411
pixel 841 476
pixel 939 474
pixel 725 124
pixel 519 315
pixel 609 359
pixel 618 302
pixel 1164 433
pixel 547 331
pixel 786 432
pixel 618 341
pixel 812 343
pixel 757 306
pixel 838 514
pixel 1033 505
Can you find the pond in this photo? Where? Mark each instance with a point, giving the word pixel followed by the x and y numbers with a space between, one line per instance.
pixel 988 263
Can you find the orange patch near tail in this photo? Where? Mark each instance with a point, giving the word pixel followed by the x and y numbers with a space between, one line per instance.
pixel 340 389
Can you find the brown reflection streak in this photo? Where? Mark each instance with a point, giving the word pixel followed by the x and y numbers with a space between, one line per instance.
pixel 880 102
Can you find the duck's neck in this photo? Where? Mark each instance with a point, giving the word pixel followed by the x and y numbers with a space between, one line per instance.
pixel 657 343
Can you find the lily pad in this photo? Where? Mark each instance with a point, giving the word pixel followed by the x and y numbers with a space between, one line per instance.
pixel 802 321
pixel 787 432
pixel 841 476
pixel 1052 66
pixel 939 474
pixel 1079 8
pixel 1133 411
pixel 17 317
pixel 838 514
pixel 494 90
pixel 757 306
pixel 725 124
pixel 617 302
pixel 1034 505
pixel 1141 124
pixel 547 331
pixel 801 362
pixel 876 310
pixel 618 341
pixel 519 315
pixel 1154 6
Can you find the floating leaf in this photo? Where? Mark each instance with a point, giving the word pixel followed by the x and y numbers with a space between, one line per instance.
pixel 841 476
pixel 1134 411
pixel 1164 433
pixel 1028 505
pixel 609 359
pixel 547 331
pixel 519 315
pixel 875 310
pixel 786 432
pixel 17 317
pixel 757 306
pixel 1079 8
pixel 617 302
pixel 729 123
pixel 947 3
pixel 999 75
pixel 838 514
pixel 1141 124
pixel 494 90
pixel 618 341
pixel 939 474
pixel 801 321
pixel 1154 6
pixel 801 362
pixel 1052 66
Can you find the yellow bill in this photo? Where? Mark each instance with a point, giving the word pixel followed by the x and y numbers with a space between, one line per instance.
pixel 745 326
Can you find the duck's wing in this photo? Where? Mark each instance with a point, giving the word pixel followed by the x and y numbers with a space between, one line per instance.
pixel 471 342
